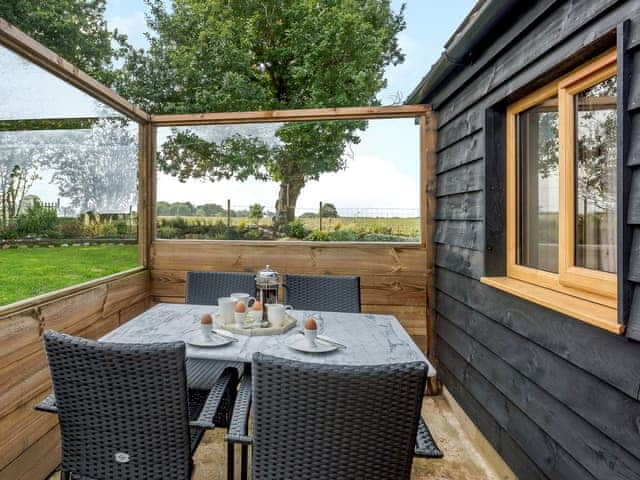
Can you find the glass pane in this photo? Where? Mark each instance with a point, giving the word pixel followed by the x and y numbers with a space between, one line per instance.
pixel 538 186
pixel 266 181
pixel 596 155
pixel 68 184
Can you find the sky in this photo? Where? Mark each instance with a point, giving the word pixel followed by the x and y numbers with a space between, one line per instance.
pixel 384 171
pixel 382 177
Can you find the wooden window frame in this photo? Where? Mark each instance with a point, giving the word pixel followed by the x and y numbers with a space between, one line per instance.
pixel 589 295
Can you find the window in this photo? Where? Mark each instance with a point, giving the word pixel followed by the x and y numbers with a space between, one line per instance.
pixel 340 180
pixel 68 184
pixel 561 194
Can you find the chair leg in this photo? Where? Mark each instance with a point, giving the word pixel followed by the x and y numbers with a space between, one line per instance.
pixel 243 468
pixel 65 475
pixel 231 461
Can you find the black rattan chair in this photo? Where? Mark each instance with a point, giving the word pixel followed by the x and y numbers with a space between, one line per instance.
pixel 328 293
pixel 124 409
pixel 204 288
pixel 313 421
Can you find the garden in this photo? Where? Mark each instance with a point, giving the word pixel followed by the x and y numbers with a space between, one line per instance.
pixel 182 220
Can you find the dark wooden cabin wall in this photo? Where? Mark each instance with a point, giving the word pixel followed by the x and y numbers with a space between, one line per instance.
pixel 558 398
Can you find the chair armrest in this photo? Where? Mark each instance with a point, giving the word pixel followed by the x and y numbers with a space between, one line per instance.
pixel 47 404
pixel 238 429
pixel 425 444
pixel 211 405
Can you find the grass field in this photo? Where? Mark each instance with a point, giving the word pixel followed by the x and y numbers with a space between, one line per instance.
pixel 27 272
pixel 405 226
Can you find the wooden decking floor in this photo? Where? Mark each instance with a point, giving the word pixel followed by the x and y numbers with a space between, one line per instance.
pixel 467 456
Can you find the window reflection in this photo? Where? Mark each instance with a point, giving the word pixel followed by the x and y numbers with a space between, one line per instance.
pixel 595 163
pixel 538 185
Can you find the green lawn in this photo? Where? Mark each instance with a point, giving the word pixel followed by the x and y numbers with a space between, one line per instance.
pixel 27 272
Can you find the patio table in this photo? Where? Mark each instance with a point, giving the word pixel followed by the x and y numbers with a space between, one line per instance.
pixel 371 339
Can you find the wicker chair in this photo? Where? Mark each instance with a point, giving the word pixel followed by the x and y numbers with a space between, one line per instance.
pixel 124 409
pixel 204 288
pixel 313 421
pixel 326 293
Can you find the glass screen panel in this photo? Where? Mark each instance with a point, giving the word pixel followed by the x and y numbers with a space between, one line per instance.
pixel 337 180
pixel 595 166
pixel 68 184
pixel 538 186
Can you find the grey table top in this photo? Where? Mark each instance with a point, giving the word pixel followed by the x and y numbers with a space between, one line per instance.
pixel 370 339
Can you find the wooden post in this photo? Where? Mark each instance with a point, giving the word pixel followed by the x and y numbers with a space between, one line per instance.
pixel 147 192
pixel 428 143
pixel 228 212
pixel 320 215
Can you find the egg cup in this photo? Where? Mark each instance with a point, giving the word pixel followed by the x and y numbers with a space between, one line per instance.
pixel 240 318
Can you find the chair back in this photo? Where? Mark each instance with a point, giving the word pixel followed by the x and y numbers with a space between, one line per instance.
pixel 204 288
pixel 327 293
pixel 122 408
pixel 314 421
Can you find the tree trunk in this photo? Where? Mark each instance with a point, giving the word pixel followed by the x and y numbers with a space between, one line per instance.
pixel 286 203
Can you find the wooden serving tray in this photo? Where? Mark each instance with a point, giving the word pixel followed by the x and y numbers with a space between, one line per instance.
pixel 289 323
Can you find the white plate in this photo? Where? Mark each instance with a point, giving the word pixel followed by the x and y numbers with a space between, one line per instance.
pixel 298 342
pixel 196 339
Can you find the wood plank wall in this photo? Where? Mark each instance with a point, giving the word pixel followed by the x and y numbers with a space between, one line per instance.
pixel 393 278
pixel 29 440
pixel 559 399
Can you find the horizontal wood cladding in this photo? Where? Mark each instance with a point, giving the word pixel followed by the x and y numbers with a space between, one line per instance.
pixel 466 178
pixel 590 348
pixel 460 260
pixel 552 459
pixel 550 42
pixel 499 437
pixel 602 456
pixel 395 289
pixel 563 395
pixel 460 233
pixel 465 151
pixel 288 258
pixel 393 279
pixel 464 206
pixel 467 124
pixel 30 449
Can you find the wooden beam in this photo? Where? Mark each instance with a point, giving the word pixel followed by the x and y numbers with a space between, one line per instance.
pixel 428 143
pixel 19 42
pixel 310 114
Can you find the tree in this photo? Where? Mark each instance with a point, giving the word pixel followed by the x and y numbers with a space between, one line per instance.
pixel 99 173
pixel 14 184
pixel 329 210
pixel 210 210
pixel 256 212
pixel 21 157
pixel 74 29
pixel 246 55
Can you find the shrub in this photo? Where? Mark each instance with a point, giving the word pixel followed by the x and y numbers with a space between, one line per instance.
pixel 36 221
pixel 70 228
pixel 317 236
pixel 108 230
pixel 122 227
pixel 343 236
pixel 296 229
pixel 8 233
pixel 382 229
pixel 166 231
pixel 253 234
